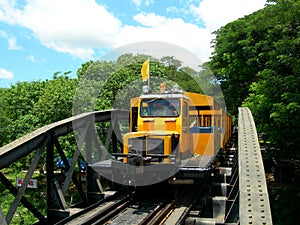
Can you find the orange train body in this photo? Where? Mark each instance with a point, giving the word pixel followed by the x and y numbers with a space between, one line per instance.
pixel 169 127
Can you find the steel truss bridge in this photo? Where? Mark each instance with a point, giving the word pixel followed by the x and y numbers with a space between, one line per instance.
pixel 45 144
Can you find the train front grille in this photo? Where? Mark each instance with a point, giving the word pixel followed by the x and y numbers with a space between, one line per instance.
pixel 144 146
pixel 155 146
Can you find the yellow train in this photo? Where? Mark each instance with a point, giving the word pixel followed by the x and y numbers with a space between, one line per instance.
pixel 173 127
pixel 173 134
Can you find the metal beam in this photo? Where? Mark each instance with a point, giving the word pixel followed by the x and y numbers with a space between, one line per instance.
pixel 26 144
pixel 26 181
pixel 47 136
pixel 254 205
pixel 67 167
pixel 21 147
pixel 2 219
pixel 75 157
pixel 24 200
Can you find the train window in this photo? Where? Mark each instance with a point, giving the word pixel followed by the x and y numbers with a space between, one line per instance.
pixel 185 110
pixel 159 107
pixel 194 121
pixel 207 120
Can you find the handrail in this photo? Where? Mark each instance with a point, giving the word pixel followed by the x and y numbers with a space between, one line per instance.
pixel 254 203
pixel 26 144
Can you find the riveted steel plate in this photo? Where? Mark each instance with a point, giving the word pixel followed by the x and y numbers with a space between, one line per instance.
pixel 254 199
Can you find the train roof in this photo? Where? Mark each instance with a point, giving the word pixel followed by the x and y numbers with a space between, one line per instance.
pixel 164 95
pixel 198 101
pixel 201 101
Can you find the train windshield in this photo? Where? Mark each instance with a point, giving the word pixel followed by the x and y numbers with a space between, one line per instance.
pixel 160 107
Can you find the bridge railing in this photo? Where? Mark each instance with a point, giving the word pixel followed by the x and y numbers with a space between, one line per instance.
pixel 254 206
pixel 44 143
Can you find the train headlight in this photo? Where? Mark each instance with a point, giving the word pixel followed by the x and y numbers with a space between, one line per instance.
pixel 145 89
pixel 176 89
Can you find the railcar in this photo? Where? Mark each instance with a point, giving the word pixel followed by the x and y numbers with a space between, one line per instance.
pixel 170 132
pixel 177 128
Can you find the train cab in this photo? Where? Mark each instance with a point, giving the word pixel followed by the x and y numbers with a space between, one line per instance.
pixel 172 126
pixel 159 125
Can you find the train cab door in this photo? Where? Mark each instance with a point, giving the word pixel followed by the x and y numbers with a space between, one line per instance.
pixel 185 139
pixel 133 120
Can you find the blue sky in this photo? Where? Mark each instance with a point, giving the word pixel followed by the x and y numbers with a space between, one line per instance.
pixel 41 37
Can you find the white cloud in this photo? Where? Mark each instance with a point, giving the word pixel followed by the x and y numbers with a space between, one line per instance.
pixel 8 12
pixel 172 9
pixel 69 26
pixel 149 2
pixel 5 74
pixel 150 19
pixel 174 31
pixel 84 25
pixel 136 2
pixel 79 27
pixel 12 42
pixel 3 34
pixel 217 13
pixel 31 58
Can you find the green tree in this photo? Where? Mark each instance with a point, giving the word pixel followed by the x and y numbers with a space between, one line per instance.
pixel 233 61
pixel 56 102
pixel 4 119
pixel 27 106
pixel 101 83
pixel 256 60
pixel 84 67
pixel 278 85
pixel 18 102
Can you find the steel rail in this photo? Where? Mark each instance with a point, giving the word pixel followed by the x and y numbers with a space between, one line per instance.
pixel 160 215
pixel 196 197
pixel 150 216
pixel 105 214
pixel 167 209
pixel 101 210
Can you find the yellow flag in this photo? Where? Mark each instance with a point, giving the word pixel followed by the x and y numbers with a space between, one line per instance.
pixel 145 70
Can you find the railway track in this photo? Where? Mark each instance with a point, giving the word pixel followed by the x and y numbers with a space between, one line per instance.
pixel 165 203
pixel 158 210
pixel 143 206
pixel 99 211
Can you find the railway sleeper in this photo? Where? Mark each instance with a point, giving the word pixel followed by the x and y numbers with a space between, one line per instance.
pixel 220 205
pixel 220 177
pixel 228 159
pixel 212 210
pixel 215 210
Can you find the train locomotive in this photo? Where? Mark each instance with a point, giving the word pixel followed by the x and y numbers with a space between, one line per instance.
pixel 175 127
pixel 170 132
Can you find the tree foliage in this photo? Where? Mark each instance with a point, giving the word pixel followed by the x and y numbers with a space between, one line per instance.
pixel 100 85
pixel 27 106
pixel 257 61
pixel 108 84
